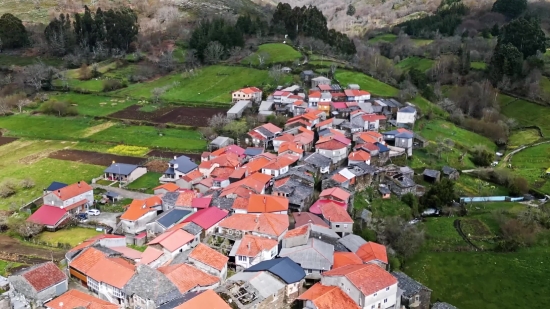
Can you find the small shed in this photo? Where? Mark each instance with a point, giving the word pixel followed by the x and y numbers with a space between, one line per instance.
pixel 354 87
pixel 320 80
pixel 419 141
pixel 450 173
pixel 236 111
pixel 431 175
pixel 385 192
pixel 286 70
pixel 220 142
pixel 307 75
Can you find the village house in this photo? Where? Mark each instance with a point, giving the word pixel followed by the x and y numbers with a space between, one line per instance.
pixel 261 203
pixel 335 147
pixel 450 173
pixel 400 138
pixel 124 173
pixel 326 297
pixel 321 163
pixel 252 94
pixel 406 117
pixel 208 219
pixel 280 165
pixel 401 184
pixel 108 277
pixel 174 242
pixel 189 279
pixel 369 252
pixel 140 212
pixel 209 261
pixel 356 95
pixel 236 111
pixel 140 294
pixel 413 294
pixel 338 218
pixel 315 256
pixel 73 198
pixel 296 187
pixel 303 218
pixel 307 76
pixel 359 156
pixel 38 284
pixel 368 285
pixel 431 176
pixel 254 184
pixel 299 236
pixel 78 299
pixel 220 142
pixel 263 224
pixel 50 217
pixel 251 250
pixel 178 168
pixel 165 188
pixel 263 135
pixel 54 186
pixel 320 80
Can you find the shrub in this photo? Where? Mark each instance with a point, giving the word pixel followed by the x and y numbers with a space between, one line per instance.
pixel 369 235
pixel 85 72
pixel 112 84
pixel 482 157
pixel 58 108
pixel 27 183
pixel 7 188
pixel 395 263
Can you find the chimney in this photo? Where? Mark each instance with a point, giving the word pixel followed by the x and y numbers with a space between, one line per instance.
pixel 257 218
pixel 264 199
pixel 78 183
pixel 175 157
pixel 59 192
pixel 248 246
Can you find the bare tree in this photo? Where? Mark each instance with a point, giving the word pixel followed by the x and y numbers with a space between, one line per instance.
pixel 35 74
pixel 218 121
pixel 332 70
pixel 166 61
pixel 213 52
pixel 276 73
pixel 235 53
pixel 191 58
pixel 262 58
pixel 5 108
pixel 22 103
pixel 157 93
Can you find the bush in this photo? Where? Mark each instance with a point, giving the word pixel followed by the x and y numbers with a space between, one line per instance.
pixel 58 108
pixel 7 188
pixel 482 157
pixel 112 84
pixel 27 183
pixel 395 263
pixel 369 235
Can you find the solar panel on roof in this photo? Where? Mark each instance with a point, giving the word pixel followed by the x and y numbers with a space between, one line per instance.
pixel 173 217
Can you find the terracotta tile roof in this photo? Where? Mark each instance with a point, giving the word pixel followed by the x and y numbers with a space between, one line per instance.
pixel 222 172
pixel 43 276
pixel 173 240
pixel 303 218
pixel 375 134
pixel 280 182
pixel 205 154
pixel 304 138
pixel 128 252
pixel 240 203
pixel 250 90
pixel 325 122
pixel 252 246
pixel 290 146
pixel 72 190
pixel 336 192
pixel 139 208
pixel 208 299
pixel 256 164
pixel 257 135
pixel 345 258
pixel 185 198
pixel 225 160
pixel 330 145
pixel 315 95
pixel 368 278
pixel 282 161
pixel 360 155
pixel 186 277
pixel 209 256
pixel 267 203
pixel 194 175
pixel 112 271
pixel 87 259
pixel 367 146
pixel 318 205
pixel 302 230
pixel 285 137
pixel 339 178
pixel 77 299
pixel 328 297
pixel 355 92
pixel 238 173
pixel 255 182
pixel 272 128
pixel 334 213
pixel 207 182
pixel 372 251
pixel 265 223
pixel 150 255
pixel 170 187
pixel 201 202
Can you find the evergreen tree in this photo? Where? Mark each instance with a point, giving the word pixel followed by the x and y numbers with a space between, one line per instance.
pixel 59 35
pixel 12 32
pixel 464 58
pixel 526 35
pixel 495 31
pixel 510 8
pixel 507 60
pixel 121 28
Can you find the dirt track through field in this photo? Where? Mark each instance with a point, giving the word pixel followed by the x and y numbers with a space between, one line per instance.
pixel 6 140
pixel 94 158
pixel 14 247
pixel 96 129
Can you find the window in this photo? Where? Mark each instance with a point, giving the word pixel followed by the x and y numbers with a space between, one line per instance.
pixel 337 226
pixel 309 271
pixel 388 288
pixel 345 226
pixel 242 258
pixel 375 294
pixel 385 300
pixel 417 298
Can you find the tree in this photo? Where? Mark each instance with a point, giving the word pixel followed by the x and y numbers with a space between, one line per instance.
pixel 351 10
pixel 121 28
pixel 213 52
pixel 218 121
pixel 526 35
pixel 216 30
pixel 22 103
pixel 404 238
pixel 440 194
pixel 37 75
pixel 510 8
pixel 84 72
pixel 412 201
pixel 59 35
pixel 157 93
pixel 276 73
pixel 481 156
pixel 507 61
pixel 166 61
pixel 18 223
pixel 12 32
pixel 262 58
pixel 236 128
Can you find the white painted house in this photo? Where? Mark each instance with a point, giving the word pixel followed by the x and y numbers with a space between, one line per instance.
pixel 251 250
pixel 406 116
pixel 73 198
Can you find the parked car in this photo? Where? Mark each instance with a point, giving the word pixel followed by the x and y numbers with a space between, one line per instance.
pixel 82 217
pixel 93 212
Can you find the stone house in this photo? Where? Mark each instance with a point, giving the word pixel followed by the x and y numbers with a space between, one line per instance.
pixel 39 283
pixel 251 250
pixel 209 261
pixel 413 294
pixel 450 173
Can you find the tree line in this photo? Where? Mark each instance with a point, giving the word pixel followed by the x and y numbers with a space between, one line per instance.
pixel 445 20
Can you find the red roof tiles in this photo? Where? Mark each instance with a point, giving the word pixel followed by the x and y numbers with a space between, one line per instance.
pixel 112 271
pixel 345 258
pixel 43 276
pixel 72 190
pixel 368 278
pixel 209 256
pixel 252 245
pixel 335 192
pixel 302 218
pixel 139 208
pixel 328 297
pixel 87 259
pixel 77 299
pixel 170 187
pixel 208 299
pixel 372 251
pixel 335 213
pixel 207 218
pixel 265 223
pixel 186 277
pixel 267 203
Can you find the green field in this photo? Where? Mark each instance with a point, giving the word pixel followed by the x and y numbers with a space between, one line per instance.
pixel 526 113
pixel 545 84
pixel 145 183
pixel 73 236
pixel 434 129
pixel 28 159
pixel 147 136
pixel 468 185
pixel 209 84
pixel 478 65
pixel 523 137
pixel 532 164
pixel 4 265
pixel 388 37
pixel 94 105
pixel 277 53
pixel 422 64
pixel 46 127
pixel 374 86
pixel 426 106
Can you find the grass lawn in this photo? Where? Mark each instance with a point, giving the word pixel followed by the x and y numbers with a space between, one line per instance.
pixel 545 84
pixel 489 280
pixel 381 208
pixel 209 84
pixel 146 182
pixel 526 113
pixel 522 137
pixel 441 234
pixel 434 129
pixel 73 236
pixel 94 105
pixel 91 85
pixel 426 106
pixel 28 159
pixel 427 158
pixel 5 265
pixel 277 52
pixel 388 37
pixel 468 185
pixel 138 248
pixel 121 73
pixel 422 64
pixel 367 83
pixel 146 136
pixel 532 164
pixel 422 42
pixel 478 65
pixel 46 127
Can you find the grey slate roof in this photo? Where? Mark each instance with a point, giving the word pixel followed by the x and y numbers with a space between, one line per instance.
pixel 321 78
pixel 223 203
pixel 192 228
pixel 181 258
pixel 447 170
pixel 440 305
pixel 318 160
pixel 149 283
pixel 323 231
pixel 405 182
pixel 408 109
pixel 263 281
pixel 185 164
pixel 362 168
pixel 178 301
pixel 169 199
pixel 121 168
pixel 237 108
pixel 352 242
pixel 295 172
pixel 315 254
pixel 265 132
pixel 409 286
pixel 384 190
pixel 266 105
pixel 431 173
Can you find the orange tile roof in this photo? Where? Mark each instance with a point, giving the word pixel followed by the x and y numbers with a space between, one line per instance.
pixel 339 178
pixel 44 276
pixel 222 172
pixel 315 95
pixel 138 208
pixel 87 259
pixel 72 190
pixel 368 278
pixel 238 173
pixel 186 277
pixel 76 299
pixel 170 187
pixel 196 174
pixel 330 145
pixel 256 164
pixel 265 223
pixel 255 182
pixel 335 213
pixel 112 271
pixel 375 134
pixel 173 240
pixel 185 198
pixel 302 230
pixel 328 297
pixel 282 161
pixel 336 192
pixel 240 203
pixel 303 138
pixel 150 255
pixel 225 160
pixel 208 299
pixel 267 203
pixel 345 258
pixel 372 251
pixel 367 138
pixel 280 182
pixel 272 128
pixel 290 146
pixel 252 245
pixel 209 256
pixel 207 182
pixel 249 90
pixel 360 155
pixel 285 137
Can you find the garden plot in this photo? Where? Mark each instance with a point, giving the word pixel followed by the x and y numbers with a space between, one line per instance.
pixel 94 158
pixel 189 116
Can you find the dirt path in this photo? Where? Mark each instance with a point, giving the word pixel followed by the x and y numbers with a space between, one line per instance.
pixel 96 129
pixel 509 156
pixel 27 254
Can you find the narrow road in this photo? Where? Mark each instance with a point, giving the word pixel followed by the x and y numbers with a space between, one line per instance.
pixel 123 192
pixel 509 156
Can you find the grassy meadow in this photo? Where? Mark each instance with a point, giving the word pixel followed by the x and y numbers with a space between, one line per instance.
pixel 374 86
pixel 277 53
pixel 422 64
pixel 94 105
pixel 526 113
pixel 146 183
pixel 532 164
pixel 73 236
